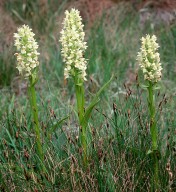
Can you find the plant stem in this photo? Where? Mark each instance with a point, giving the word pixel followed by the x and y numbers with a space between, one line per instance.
pixel 154 135
pixel 34 109
pixel 79 88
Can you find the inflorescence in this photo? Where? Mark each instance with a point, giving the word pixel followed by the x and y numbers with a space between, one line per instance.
pixel 73 45
pixel 27 56
pixel 149 59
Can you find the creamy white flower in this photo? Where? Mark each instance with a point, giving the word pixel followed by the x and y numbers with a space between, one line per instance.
pixel 149 59
pixel 27 56
pixel 73 45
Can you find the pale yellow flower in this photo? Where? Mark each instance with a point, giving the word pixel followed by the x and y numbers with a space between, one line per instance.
pixel 27 56
pixel 73 45
pixel 149 59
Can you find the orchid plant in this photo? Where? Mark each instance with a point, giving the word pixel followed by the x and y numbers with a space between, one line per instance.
pixel 27 65
pixel 73 49
pixel 149 61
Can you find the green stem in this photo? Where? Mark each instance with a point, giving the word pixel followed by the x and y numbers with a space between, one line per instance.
pixel 34 109
pixel 154 135
pixel 79 88
pixel 153 128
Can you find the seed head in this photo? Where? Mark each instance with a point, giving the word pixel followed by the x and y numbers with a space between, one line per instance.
pixel 149 59
pixel 27 56
pixel 73 45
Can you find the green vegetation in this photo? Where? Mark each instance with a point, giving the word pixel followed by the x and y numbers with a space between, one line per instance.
pixel 119 128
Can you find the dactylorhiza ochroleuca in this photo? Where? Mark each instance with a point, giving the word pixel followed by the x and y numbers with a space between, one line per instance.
pixel 149 59
pixel 27 56
pixel 73 45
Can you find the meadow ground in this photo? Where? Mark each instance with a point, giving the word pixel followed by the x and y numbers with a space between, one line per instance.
pixel 119 128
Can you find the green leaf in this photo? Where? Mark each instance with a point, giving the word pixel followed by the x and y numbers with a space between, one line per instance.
pixel 156 87
pixel 143 86
pixel 155 151
pixel 12 140
pixel 79 84
pixel 54 127
pixel 149 152
pixel 94 101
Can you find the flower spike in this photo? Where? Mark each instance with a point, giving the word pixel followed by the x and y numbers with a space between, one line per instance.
pixel 27 56
pixel 149 59
pixel 73 45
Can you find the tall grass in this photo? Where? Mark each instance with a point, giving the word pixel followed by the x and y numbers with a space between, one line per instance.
pixel 119 127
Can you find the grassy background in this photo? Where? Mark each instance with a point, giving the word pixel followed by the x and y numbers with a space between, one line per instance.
pixel 119 136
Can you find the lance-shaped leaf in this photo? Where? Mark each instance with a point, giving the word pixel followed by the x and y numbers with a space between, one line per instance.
pixel 55 126
pixel 93 103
